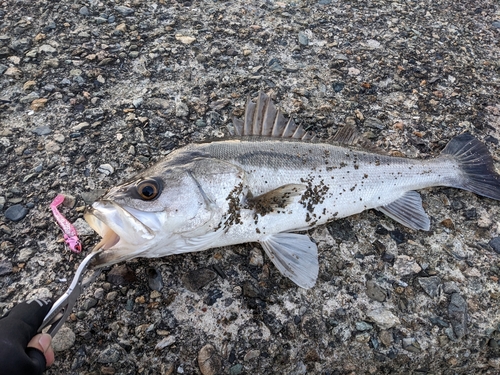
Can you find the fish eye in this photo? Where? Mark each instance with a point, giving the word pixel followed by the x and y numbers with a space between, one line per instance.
pixel 148 190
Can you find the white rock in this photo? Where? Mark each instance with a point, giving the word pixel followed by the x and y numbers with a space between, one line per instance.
pixel 383 318
pixel 64 339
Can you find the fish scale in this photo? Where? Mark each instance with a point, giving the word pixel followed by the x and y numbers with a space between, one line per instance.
pixel 269 182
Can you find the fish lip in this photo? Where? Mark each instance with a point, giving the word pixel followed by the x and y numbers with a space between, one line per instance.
pixel 116 225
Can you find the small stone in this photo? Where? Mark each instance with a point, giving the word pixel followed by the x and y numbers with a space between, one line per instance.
pixel 64 339
pixel 338 86
pixel 13 72
pixel 111 354
pixel 29 98
pixel 375 291
pixel 405 265
pixel 111 296
pixel 166 342
pixel 2 202
pixel 450 287
pixel 251 354
pixel 47 48
pixel 412 345
pixel 363 326
pixel 496 24
pixel 5 268
pixel 89 303
pixel 16 212
pixel 59 138
pixel 197 279
pixel 353 71
pixel 81 126
pixel 383 318
pixel 121 275
pixel 155 281
pixel 28 85
pixel 84 11
pixel 448 223
pixel 209 360
pixel 52 147
pixel 303 39
pixel 385 337
pixel 38 104
pixel 124 11
pixel 495 244
pixel 236 369
pixel 106 169
pixel 181 109
pixel 185 39
pixel 430 285
pixel 120 29
pixel 457 312
pixel 256 257
pixel 374 123
pixel 42 130
pixel 25 254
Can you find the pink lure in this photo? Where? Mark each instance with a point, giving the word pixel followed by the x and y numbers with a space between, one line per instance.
pixel 70 235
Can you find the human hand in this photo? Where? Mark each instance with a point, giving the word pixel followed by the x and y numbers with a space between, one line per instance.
pixel 22 350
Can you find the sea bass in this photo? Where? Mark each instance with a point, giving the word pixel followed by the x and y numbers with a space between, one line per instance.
pixel 269 182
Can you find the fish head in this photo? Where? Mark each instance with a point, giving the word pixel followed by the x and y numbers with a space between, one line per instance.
pixel 147 215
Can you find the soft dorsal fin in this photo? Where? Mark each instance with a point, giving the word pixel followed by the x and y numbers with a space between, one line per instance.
pixel 264 119
pixel 348 135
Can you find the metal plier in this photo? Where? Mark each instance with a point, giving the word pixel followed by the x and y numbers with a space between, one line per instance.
pixel 63 307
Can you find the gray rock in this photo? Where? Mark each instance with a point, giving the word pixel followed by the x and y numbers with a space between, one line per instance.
pixel 383 318
pixel 29 98
pixel 375 291
pixel 121 275
pixel 430 285
pixel 111 354
pixel 303 39
pixel 47 48
pixel 2 202
pixel 457 312
pixel 412 345
pixel 3 68
pixel 16 212
pixel 5 268
pixel 42 130
pixel 89 303
pixel 197 279
pixel 363 326
pixel 450 287
pixel 496 24
pixel 124 11
pixel 64 339
pixel 495 244
pixel 155 280
pixel 84 11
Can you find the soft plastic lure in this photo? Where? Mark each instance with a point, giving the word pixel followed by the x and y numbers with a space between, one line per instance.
pixel 70 235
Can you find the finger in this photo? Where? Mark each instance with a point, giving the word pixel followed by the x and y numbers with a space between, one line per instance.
pixel 43 342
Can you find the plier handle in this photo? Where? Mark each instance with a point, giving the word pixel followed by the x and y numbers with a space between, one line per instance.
pixel 62 308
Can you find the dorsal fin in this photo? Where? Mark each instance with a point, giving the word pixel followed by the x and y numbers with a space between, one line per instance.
pixel 348 135
pixel 264 119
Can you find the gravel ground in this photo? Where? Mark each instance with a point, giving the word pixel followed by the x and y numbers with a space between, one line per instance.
pixel 93 91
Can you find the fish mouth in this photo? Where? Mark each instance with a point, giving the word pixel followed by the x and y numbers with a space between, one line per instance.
pixel 121 231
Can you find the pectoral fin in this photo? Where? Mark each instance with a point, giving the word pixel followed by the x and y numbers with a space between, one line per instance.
pixel 275 199
pixel 294 255
pixel 408 211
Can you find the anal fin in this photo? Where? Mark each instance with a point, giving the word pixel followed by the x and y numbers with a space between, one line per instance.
pixel 294 255
pixel 408 211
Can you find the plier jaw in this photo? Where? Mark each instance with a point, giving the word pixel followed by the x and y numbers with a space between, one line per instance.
pixel 62 308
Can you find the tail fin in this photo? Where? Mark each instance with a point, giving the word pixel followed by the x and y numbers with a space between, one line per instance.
pixel 476 163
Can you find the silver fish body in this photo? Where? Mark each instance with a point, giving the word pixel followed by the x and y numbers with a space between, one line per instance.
pixel 264 189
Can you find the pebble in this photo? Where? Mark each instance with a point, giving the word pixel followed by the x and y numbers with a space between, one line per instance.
pixel 412 345
pixel 251 354
pixel 64 339
pixel 124 11
pixel 405 265
pixel 303 39
pixel 84 11
pixel 52 147
pixel 209 360
pixel 38 104
pixel 111 296
pixel 166 342
pixel 111 354
pixel 197 279
pixel 80 126
pixel 16 212
pixel 89 303
pixel 155 280
pixel 25 254
pixel 5 268
pixel 181 109
pixel 496 24
pixel 47 48
pixel 185 39
pixel 42 130
pixel 106 169
pixel 121 275
pixel 385 337
pixel 375 291
pixel 457 312
pixel 363 326
pixel 236 369
pixel 256 257
pixel 383 318
pixel 495 244
pixel 430 285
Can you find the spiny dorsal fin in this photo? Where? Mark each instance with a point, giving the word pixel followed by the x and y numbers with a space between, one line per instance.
pixel 348 135
pixel 264 119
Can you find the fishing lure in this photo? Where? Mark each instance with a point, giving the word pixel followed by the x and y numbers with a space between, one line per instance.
pixel 70 235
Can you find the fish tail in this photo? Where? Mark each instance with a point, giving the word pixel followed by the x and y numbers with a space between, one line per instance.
pixel 478 172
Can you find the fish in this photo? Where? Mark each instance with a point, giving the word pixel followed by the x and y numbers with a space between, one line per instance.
pixel 269 183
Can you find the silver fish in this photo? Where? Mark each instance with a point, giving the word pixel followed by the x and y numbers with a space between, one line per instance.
pixel 270 182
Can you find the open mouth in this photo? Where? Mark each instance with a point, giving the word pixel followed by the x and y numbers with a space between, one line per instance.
pixel 115 224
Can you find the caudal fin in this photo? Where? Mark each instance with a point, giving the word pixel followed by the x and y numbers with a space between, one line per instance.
pixel 479 175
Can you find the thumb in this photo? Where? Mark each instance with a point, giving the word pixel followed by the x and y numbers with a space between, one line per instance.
pixel 40 348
